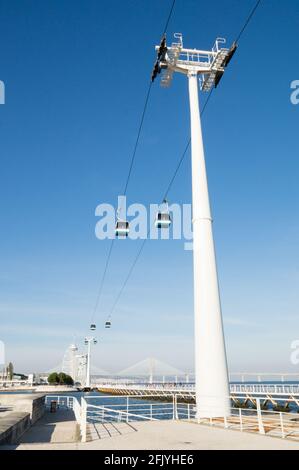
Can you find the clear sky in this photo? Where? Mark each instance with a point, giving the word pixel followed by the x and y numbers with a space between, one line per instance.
pixel 76 74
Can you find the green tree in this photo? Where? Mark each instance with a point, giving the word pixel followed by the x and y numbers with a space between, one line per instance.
pixel 60 379
pixel 65 379
pixel 10 371
pixel 68 380
pixel 53 378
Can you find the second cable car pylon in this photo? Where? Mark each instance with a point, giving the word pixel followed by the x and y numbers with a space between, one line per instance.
pixel 211 373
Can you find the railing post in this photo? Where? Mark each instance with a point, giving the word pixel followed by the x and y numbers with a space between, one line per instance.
pixel 127 419
pixel 281 425
pixel 197 415
pixel 174 405
pixel 241 419
pixel 259 416
pixel 225 422
pixel 151 412
pixel 188 407
pixel 83 419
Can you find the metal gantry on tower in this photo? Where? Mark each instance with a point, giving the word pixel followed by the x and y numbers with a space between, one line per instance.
pixel 208 65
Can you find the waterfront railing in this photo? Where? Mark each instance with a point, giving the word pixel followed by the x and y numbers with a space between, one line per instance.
pixel 136 408
pixel 188 387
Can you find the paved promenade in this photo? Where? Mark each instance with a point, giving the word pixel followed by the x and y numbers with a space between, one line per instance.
pixel 52 428
pixel 162 435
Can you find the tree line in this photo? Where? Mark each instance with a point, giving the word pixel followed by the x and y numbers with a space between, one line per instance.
pixel 60 378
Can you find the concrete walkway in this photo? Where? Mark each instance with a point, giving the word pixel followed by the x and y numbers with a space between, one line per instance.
pixel 169 435
pixel 52 428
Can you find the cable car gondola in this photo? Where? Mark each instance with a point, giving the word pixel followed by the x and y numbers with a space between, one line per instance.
pixel 108 324
pixel 163 219
pixel 92 327
pixel 122 229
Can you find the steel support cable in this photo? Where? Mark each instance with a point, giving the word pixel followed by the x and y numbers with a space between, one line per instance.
pixel 100 290
pixel 99 294
pixel 138 137
pixel 209 96
pixel 249 18
pixel 149 230
pixel 186 149
pixel 177 170
pixel 145 109
pixel 168 18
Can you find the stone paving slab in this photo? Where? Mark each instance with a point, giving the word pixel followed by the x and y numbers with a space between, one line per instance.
pixel 60 427
pixel 170 435
pixel 53 427
pixel 12 425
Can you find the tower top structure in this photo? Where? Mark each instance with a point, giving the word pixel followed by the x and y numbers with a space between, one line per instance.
pixel 210 65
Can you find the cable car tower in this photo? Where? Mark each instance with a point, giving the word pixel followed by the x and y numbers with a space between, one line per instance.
pixel 212 384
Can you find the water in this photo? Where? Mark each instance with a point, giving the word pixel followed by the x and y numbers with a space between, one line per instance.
pixel 160 409
pixel 149 407
pixel 100 399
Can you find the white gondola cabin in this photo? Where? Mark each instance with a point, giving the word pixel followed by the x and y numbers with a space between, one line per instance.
pixel 122 229
pixel 163 219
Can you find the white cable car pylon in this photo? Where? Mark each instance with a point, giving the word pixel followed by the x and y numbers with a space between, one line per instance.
pixel 212 383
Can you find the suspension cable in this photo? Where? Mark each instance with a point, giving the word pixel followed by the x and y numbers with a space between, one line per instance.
pixel 149 230
pixel 209 96
pixel 174 175
pixel 145 109
pixel 100 290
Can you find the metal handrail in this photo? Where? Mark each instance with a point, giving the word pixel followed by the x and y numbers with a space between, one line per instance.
pixel 256 419
pixel 122 412
pixel 237 387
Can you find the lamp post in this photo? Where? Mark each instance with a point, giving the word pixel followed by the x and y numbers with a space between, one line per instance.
pixel 88 341
pixel 211 374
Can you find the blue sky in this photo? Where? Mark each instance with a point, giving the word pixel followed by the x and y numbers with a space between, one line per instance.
pixel 76 75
